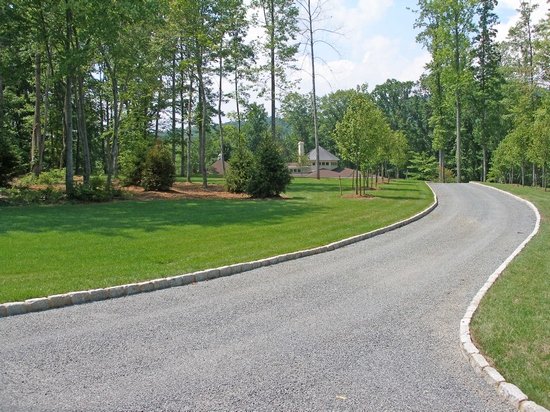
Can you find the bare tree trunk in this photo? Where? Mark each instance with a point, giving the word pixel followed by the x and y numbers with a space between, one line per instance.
pixel 534 182
pixel 182 125
pixel 484 175
pixel 522 174
pixel 441 166
pixel 272 67
pixel 189 130
pixel 313 93
pixel 83 132
pixel 220 100
pixel 69 175
pixel 1 100
pixel 202 125
pixel 37 142
pixel 237 98
pixel 174 102
pixel 112 146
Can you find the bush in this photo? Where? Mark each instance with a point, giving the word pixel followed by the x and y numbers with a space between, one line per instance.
pixel 423 167
pixel 270 175
pixel 159 172
pixel 237 176
pixel 25 196
pixel 132 165
pixel 49 178
pixel 94 191
pixel 9 162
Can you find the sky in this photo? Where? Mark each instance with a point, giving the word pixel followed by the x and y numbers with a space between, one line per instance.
pixel 377 41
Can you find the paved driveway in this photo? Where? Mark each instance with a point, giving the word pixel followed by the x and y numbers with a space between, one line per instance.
pixel 369 327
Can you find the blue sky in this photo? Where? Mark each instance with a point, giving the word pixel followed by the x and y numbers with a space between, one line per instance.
pixel 378 42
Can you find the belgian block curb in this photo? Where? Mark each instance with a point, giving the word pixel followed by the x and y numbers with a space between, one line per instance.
pixel 506 390
pixel 86 296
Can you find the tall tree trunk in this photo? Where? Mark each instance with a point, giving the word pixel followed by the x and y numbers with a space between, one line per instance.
pixel 484 175
pixel 534 182
pixel 112 146
pixel 237 98
pixel 202 123
pixel 458 121
pixel 314 92
pixel 189 130
pixel 457 97
pixel 220 100
pixel 37 143
pixel 1 100
pixel 272 68
pixel 83 131
pixel 69 175
pixel 174 102
pixel 441 166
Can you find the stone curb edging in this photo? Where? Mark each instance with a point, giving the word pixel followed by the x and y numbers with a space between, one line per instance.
pixel 86 296
pixel 506 390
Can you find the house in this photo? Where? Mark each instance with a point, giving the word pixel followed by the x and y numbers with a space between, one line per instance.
pixel 327 161
pixel 216 167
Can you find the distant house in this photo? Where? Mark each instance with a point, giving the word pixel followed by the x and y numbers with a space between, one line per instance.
pixel 216 167
pixel 327 161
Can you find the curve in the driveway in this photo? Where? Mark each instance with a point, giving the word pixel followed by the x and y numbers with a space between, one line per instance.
pixel 368 327
pixel 95 295
pixel 479 363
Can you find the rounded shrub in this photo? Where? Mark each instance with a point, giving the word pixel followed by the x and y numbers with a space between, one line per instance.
pixel 159 171
pixel 270 175
pixel 238 175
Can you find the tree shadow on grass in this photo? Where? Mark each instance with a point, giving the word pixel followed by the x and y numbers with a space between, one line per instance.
pixel 119 219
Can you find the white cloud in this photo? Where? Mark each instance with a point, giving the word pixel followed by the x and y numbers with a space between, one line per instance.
pixel 503 28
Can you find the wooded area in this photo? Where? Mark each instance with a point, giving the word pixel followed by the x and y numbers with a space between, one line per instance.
pixel 90 86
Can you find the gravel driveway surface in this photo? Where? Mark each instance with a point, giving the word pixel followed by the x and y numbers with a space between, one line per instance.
pixel 369 327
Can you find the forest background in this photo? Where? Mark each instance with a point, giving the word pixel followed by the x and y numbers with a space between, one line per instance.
pixel 89 86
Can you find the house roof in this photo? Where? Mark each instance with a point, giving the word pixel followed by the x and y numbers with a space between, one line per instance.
pixel 324 155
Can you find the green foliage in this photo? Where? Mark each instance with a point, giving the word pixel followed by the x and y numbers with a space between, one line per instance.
pixel 132 165
pixel 48 178
pixel 10 161
pixel 23 196
pixel 159 172
pixel 94 191
pixel 270 176
pixel 239 172
pixel 423 166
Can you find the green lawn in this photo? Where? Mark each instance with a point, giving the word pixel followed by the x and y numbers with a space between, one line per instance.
pixel 46 250
pixel 512 325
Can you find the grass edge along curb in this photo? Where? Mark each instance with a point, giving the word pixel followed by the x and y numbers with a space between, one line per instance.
pixel 506 390
pixel 94 295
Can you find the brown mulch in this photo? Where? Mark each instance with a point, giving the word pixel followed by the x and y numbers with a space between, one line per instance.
pixel 184 190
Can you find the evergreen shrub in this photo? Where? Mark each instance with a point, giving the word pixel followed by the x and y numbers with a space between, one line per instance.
pixel 159 172
pixel 238 175
pixel 270 175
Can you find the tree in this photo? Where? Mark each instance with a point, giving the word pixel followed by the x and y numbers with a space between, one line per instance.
pixel 270 175
pixel 279 21
pixel 405 105
pixel 447 26
pixel 539 150
pixel 360 132
pixel 488 82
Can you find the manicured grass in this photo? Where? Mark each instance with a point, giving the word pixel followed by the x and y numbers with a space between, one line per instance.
pixel 54 249
pixel 512 325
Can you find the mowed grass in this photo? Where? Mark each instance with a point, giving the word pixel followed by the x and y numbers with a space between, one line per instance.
pixel 512 324
pixel 46 250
